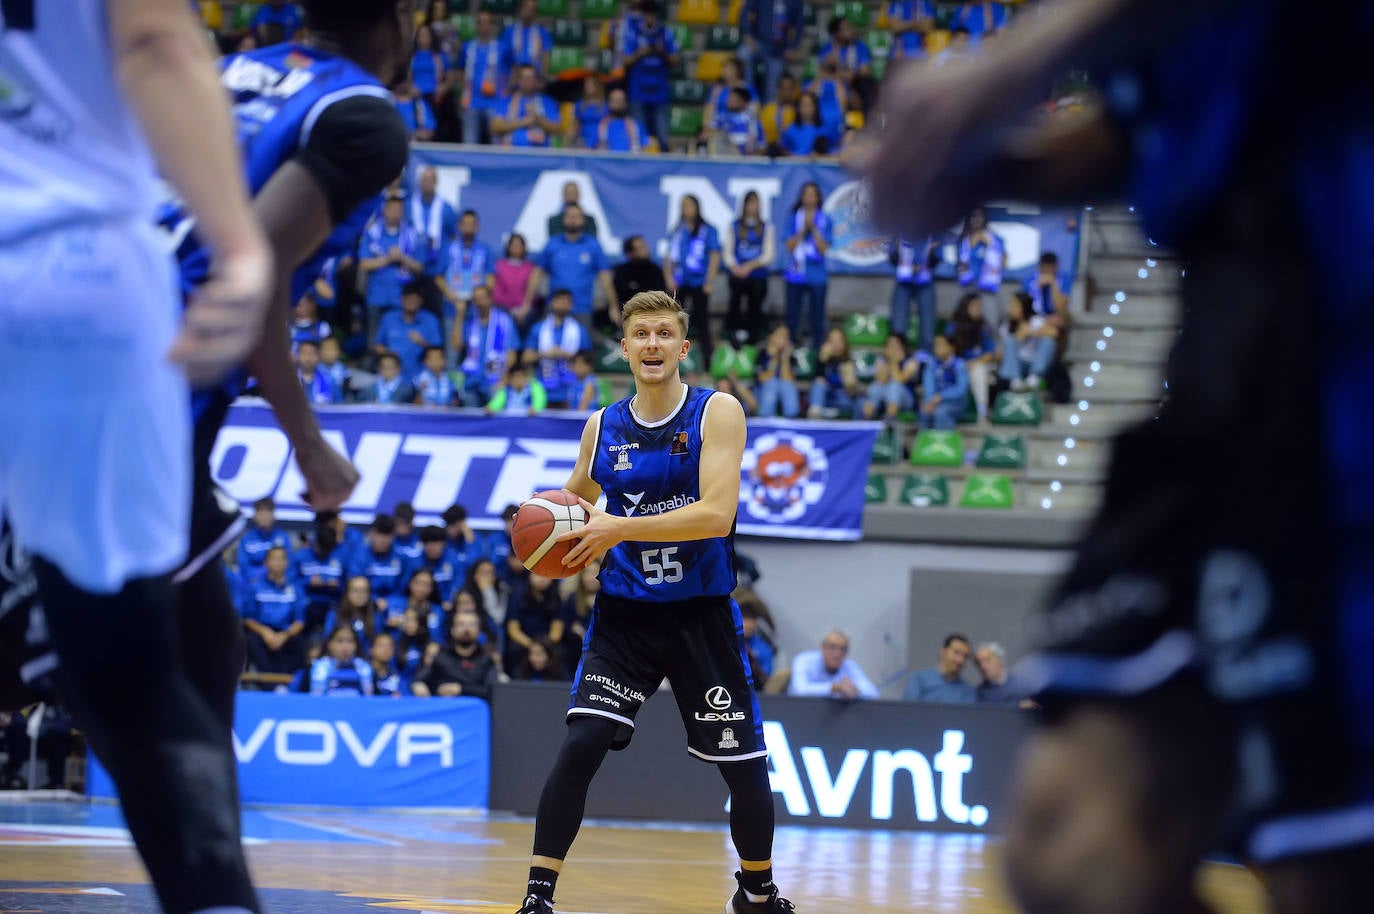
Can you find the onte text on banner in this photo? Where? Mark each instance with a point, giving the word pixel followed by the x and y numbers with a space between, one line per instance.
pixel 800 479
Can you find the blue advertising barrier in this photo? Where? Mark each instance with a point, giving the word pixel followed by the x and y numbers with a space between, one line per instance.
pixel 642 195
pixel 800 479
pixel 312 750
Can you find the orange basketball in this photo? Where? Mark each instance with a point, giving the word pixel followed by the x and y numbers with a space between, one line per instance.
pixel 539 523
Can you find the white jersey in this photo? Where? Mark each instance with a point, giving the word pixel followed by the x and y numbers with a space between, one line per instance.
pixel 71 151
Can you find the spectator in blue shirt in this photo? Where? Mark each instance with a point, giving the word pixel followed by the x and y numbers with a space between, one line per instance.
pixel 273 15
pixel 341 671
pixel 997 687
pixel 409 331
pixel 945 387
pixel 1048 291
pixel 586 390
pixel 467 545
pixel 980 18
pixel 915 284
pixel 775 372
pixel 486 67
pixel 772 30
pixel 982 260
pixel 832 96
pixel 319 569
pixel 617 130
pixel 852 58
pixel 808 135
pixel 508 568
pixel 350 539
pixel 518 395
pixel 808 236
pixel 356 611
pixel 691 265
pixel 909 21
pixel 262 534
pixel 429 67
pixel 407 540
pixel 575 261
pixel 943 683
pixel 333 365
pixel 740 125
pixel 829 672
pixel 386 675
pixel 439 559
pixel 974 343
pixel 761 650
pixel 416 112
pixel 383 566
pixel 431 216
pixel 649 53
pixel 305 321
pixel 318 387
pixel 529 42
pixel 551 344
pixel 433 385
pixel 526 117
pixel 273 612
pixel 890 392
pixel 390 386
pixel 464 264
pixel 393 254
pixel 487 344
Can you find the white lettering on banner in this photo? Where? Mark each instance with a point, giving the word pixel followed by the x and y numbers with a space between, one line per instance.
pixel 411 740
pixel 545 466
pixel 546 198
pixel 265 452
pixel 449 461
pixel 451 181
pixel 834 797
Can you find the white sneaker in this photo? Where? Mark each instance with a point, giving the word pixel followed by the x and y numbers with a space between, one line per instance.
pixel 1033 382
pixel 1018 385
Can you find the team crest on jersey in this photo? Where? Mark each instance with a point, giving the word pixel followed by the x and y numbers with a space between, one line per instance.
pixel 679 445
pixel 785 474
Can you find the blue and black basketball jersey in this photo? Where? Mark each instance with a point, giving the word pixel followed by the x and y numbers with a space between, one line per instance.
pixel 651 469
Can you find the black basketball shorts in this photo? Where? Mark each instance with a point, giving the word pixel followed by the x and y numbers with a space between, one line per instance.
pixel 698 646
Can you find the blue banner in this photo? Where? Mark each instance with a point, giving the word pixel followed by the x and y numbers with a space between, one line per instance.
pixel 316 751
pixel 799 479
pixel 642 195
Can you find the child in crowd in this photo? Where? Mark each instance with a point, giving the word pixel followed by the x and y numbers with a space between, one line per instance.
pixel 341 671
pixel 945 387
pixel 520 395
pixel 433 385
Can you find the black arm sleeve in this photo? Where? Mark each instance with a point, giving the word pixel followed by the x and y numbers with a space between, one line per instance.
pixel 357 147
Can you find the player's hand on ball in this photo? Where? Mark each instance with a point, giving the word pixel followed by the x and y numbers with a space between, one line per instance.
pixel 600 533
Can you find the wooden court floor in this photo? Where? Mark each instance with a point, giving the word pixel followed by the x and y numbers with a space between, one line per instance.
pixel 317 863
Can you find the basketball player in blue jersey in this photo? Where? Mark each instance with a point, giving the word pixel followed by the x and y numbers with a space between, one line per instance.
pixel 95 458
pixel 668 461
pixel 1205 664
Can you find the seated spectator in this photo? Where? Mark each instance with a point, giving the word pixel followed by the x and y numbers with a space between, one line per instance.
pixel 386 675
pixel 541 663
pixel 356 611
pixel 467 545
pixel 491 638
pixel 276 21
pixel 438 558
pixel 529 41
pixel 332 364
pixel 585 394
pixel 586 585
pixel 550 346
pixel 1048 291
pixel 943 683
pixel 944 388
pixel 273 611
pixel 520 395
pixel 318 387
pixel 775 370
pixel 498 545
pixel 385 569
pixel 637 273
pixel 526 117
pixel 960 46
pixel 414 645
pixel 718 102
pixel 434 385
pixel 829 672
pixel 537 610
pixel 409 331
pixel 54 746
pixel 390 386
pixel 996 688
pixel 486 63
pixel 587 114
pixel 261 535
pixel 306 323
pixel 730 385
pixel 392 254
pixel 350 538
pixel 341 671
pixel 808 135
pixel 852 58
pixel 510 289
pixel 1029 343
pixel 407 541
pixel 776 116
pixel 416 112
pixel 757 623
pixel 910 21
pixel 975 344
pixel 490 596
pixel 618 130
pixel 980 18
pixel 422 598
pixel 890 393
pixel 836 386
pixel 572 196
pixel 462 668
pixel 487 346
pixel 319 567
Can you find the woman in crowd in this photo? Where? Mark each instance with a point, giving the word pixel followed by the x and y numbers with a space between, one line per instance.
pixel 429 68
pixel 586 586
pixel 808 136
pixel 1029 341
pixel 890 393
pixel 341 671
pixel 717 102
pixel 808 240
pixel 982 258
pixel 541 663
pixel 490 597
pixel 537 611
pixel 356 611
pixel 749 253
pixel 775 371
pixel 836 385
pixel 386 675
pixel 691 266
pixel 445 35
pixel 412 644
pixel 513 273
pixel 975 344
pixel 422 597
pixel 589 112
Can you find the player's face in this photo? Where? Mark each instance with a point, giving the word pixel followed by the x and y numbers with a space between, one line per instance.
pixel 654 346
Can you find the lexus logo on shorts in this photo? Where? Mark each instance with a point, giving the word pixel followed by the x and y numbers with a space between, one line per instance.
pixel 718 698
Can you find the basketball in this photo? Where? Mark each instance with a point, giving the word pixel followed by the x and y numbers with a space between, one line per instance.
pixel 538 524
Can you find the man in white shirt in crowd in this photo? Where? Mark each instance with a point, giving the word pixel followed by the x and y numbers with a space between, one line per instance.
pixel 829 673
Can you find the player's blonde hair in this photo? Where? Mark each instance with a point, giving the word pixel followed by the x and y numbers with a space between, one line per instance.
pixel 643 303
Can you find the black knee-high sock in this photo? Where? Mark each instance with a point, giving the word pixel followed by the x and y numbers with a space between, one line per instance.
pixel 564 800
pixel 123 677
pixel 751 818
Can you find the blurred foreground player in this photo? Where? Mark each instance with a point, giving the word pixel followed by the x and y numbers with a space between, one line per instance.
pixel 668 460
pixel 1204 664
pixel 94 463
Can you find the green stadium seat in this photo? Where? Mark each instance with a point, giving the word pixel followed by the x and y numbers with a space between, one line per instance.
pixel 465 25
pixel 692 364
pixel 1013 408
pixel 879 66
pixel 682 34
pixel 853 11
pixel 866 365
pixel 684 122
pixel 598 9
pixel 570 33
pixel 726 359
pixel 689 92
pixel 886 448
pixel 875 489
pixel 679 69
pixel 1002 452
pixel 925 490
pixel 553 9
pixel 243 16
pixel 804 357
pixel 604 397
pixel 937 449
pixel 809 69
pixel 879 42
pixel 722 38
pixel 563 60
pixel 970 414
pixel 866 330
pixel 500 7
pixel 610 359
pixel 605 61
pixel 988 491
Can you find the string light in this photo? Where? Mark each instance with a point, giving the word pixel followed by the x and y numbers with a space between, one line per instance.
pixel 1056 486
pixel 1095 367
pixel 1120 296
pixel 1115 309
pixel 1073 420
pixel 1143 273
pixel 1083 405
pixel 1087 382
pixel 1070 443
pixel 1101 345
pixel 1062 460
pixel 1107 332
pixel 1046 503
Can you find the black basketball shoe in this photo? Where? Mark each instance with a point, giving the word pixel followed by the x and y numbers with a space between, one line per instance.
pixel 739 903
pixel 536 904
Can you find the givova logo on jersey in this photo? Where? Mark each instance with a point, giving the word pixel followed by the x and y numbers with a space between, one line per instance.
pixel 785 474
